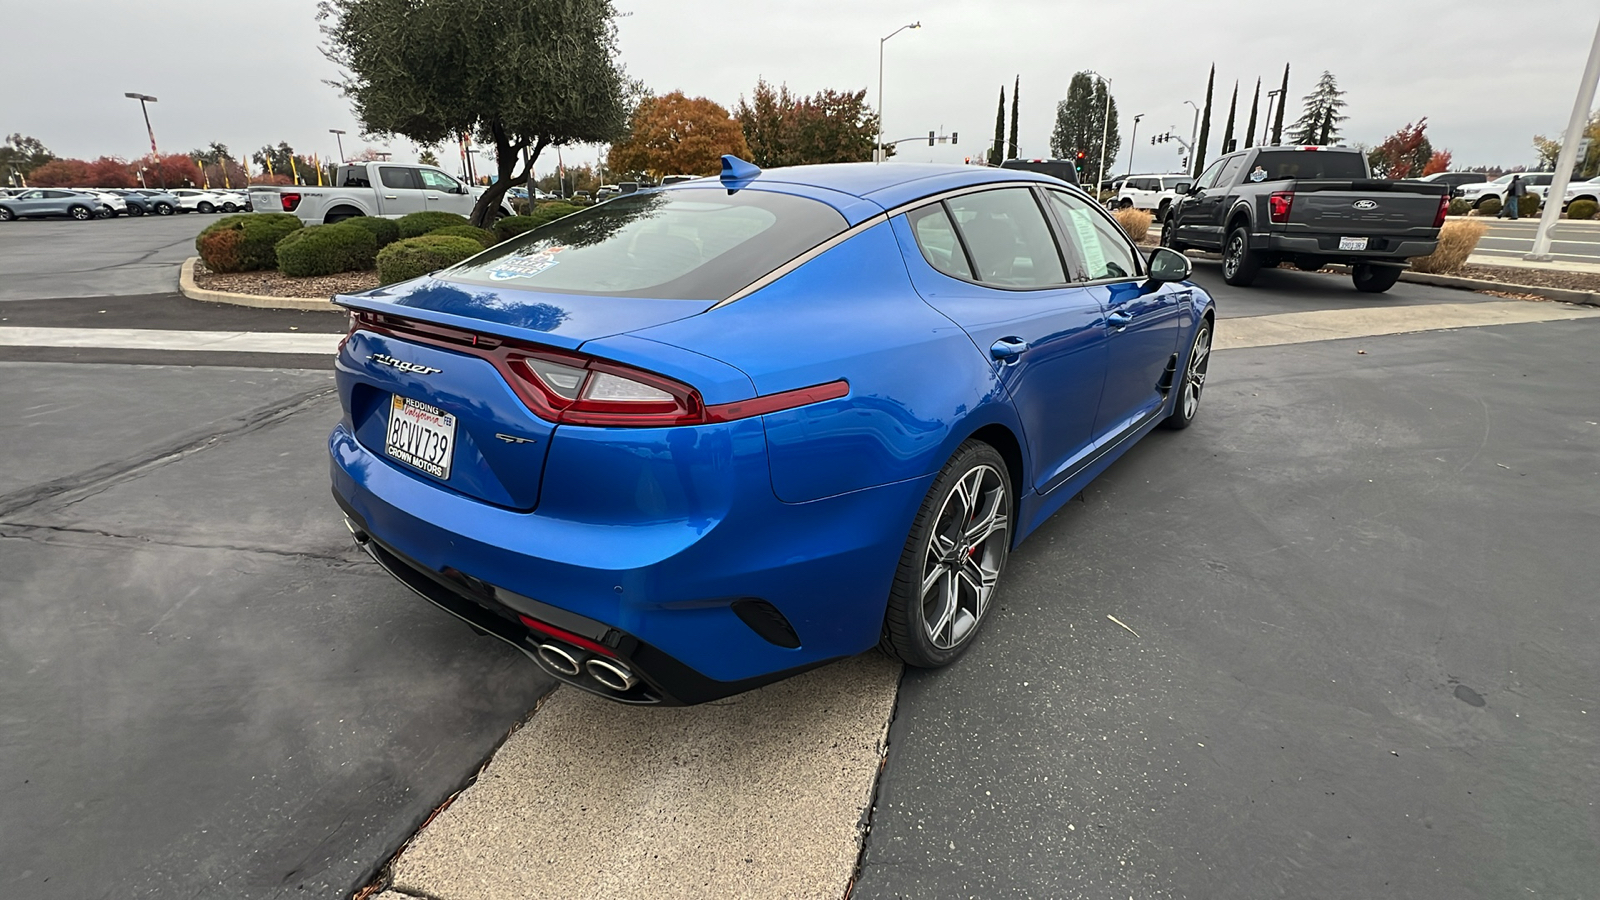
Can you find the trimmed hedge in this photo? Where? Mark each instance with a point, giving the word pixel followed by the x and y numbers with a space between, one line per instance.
pixel 410 258
pixel 1460 207
pixel 326 249
pixel 1582 209
pixel 1489 207
pixel 255 248
pixel 482 235
pixel 420 223
pixel 385 231
pixel 543 214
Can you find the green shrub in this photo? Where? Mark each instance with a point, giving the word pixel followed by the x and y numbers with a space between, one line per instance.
pixel 482 235
pixel 1489 207
pixel 409 258
pixel 543 214
pixel 1460 207
pixel 1582 209
pixel 1528 205
pixel 384 230
pixel 259 234
pixel 326 249
pixel 420 223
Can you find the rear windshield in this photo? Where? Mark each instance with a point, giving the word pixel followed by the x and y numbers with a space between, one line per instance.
pixel 1056 168
pixel 1282 164
pixel 683 244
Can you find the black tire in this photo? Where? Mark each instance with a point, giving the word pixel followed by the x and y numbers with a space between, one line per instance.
pixel 6 215
pixel 1161 211
pixel 205 207
pixel 164 209
pixel 107 212
pixel 1169 235
pixel 230 207
pixel 956 552
pixel 135 211
pixel 1192 381
pixel 1240 264
pixel 81 213
pixel 1125 204
pixel 1370 279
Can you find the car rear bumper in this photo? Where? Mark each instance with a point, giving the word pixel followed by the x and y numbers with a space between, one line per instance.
pixel 1379 247
pixel 697 609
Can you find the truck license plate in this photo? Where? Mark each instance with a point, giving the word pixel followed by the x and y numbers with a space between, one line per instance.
pixel 421 436
pixel 1350 243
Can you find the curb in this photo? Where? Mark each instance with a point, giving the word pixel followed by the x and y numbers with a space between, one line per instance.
pixel 1565 295
pixel 187 287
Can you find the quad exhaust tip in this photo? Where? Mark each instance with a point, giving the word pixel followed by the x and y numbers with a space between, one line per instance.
pixel 612 675
pixel 558 659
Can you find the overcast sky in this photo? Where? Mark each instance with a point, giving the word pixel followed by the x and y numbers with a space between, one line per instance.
pixel 252 74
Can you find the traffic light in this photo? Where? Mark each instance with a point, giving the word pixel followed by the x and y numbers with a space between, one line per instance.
pixel 1078 162
pixel 930 139
pixel 953 136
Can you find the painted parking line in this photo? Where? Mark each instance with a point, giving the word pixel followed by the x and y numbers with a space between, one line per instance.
pixel 155 339
pixel 1337 324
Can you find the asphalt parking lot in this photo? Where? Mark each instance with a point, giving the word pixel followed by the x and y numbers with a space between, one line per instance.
pixel 1358 658
pixel 51 258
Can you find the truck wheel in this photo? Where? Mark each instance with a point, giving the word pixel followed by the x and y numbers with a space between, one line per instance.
pixel 1169 235
pixel 1239 263
pixel 1125 204
pixel 1370 279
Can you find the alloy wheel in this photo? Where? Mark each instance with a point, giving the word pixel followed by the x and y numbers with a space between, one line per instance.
pixel 1232 258
pixel 1194 379
pixel 965 552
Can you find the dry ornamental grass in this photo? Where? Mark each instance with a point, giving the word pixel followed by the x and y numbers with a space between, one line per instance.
pixel 1136 222
pixel 1457 240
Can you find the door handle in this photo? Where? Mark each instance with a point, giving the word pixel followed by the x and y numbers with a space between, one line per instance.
pixel 1007 348
pixel 391 197
pixel 431 196
pixel 1119 319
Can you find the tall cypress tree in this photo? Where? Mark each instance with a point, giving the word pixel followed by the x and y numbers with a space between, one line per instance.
pixel 1250 132
pixel 1205 126
pixel 1283 99
pixel 997 150
pixel 1233 109
pixel 1016 90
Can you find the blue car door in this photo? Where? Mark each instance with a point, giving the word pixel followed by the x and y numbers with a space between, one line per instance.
pixel 1143 320
pixel 990 264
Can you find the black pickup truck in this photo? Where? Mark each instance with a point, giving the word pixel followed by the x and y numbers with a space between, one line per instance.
pixel 1310 206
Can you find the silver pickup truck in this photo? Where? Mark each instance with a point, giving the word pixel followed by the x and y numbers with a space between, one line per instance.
pixel 383 189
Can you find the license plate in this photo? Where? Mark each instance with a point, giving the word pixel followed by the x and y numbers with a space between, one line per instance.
pixel 1348 243
pixel 421 436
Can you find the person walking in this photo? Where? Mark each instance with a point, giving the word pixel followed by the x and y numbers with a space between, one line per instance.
pixel 1514 192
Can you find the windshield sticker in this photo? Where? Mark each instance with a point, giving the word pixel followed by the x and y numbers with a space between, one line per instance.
pixel 1258 174
pixel 528 266
pixel 1089 240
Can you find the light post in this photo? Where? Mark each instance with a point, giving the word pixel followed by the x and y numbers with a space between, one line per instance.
pixel 143 99
pixel 1105 132
pixel 877 151
pixel 1271 96
pixel 1133 141
pixel 338 135
pixel 1194 130
pixel 1567 158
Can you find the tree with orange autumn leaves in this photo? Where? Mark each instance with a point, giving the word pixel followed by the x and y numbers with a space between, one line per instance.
pixel 677 135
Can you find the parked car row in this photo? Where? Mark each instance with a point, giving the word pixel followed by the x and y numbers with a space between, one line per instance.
pixel 107 203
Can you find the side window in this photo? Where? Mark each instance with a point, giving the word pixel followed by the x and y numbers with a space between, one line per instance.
pixel 56 195
pixel 937 239
pixel 1104 249
pixel 396 178
pixel 1005 232
pixel 1209 176
pixel 436 181
pixel 1230 171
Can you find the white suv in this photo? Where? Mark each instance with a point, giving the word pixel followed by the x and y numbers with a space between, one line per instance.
pixel 1536 182
pixel 1152 192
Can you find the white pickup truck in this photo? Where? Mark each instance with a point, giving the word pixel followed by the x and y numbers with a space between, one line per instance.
pixel 383 189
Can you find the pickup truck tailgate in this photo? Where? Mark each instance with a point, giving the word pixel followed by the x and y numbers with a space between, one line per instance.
pixel 266 201
pixel 1365 208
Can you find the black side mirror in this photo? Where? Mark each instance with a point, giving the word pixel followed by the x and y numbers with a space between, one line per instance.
pixel 1168 265
pixel 1183 187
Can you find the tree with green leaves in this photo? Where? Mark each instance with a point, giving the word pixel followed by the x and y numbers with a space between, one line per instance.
pixel 1283 97
pixel 1321 113
pixel 997 150
pixel 1233 109
pixel 1016 91
pixel 1205 125
pixel 785 129
pixel 1250 130
pixel 520 76
pixel 1080 123
pixel 213 154
pixel 20 155
pixel 427 157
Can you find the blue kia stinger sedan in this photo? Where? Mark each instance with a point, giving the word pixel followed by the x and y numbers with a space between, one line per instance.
pixel 700 438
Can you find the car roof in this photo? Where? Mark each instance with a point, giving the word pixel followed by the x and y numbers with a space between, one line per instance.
pixel 881 185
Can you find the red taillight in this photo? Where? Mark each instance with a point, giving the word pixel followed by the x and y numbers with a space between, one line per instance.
pixel 561 634
pixel 574 389
pixel 1444 210
pixel 1278 206
pixel 290 201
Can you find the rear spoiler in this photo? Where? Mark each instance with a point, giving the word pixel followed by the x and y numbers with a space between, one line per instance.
pixel 1372 186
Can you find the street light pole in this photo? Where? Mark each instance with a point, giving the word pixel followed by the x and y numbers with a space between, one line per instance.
pixel 338 135
pixel 877 150
pixel 143 99
pixel 1194 130
pixel 1568 157
pixel 1133 141
pixel 1271 96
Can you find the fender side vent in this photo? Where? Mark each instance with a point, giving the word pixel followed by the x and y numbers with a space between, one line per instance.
pixel 765 620
pixel 1167 377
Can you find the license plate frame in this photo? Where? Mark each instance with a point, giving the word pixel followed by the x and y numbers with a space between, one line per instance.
pixel 1353 243
pixel 420 436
